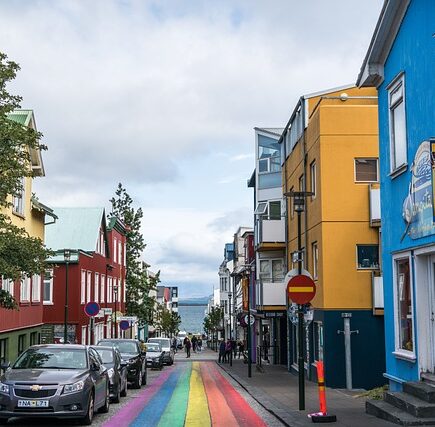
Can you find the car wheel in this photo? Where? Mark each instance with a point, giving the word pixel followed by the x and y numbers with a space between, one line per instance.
pixel 124 391
pixel 105 408
pixel 117 397
pixel 87 419
pixel 144 378
pixel 137 380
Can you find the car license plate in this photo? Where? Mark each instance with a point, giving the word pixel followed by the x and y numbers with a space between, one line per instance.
pixel 33 403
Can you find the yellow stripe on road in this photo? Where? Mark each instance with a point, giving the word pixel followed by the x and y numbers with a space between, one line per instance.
pixel 197 410
pixel 301 289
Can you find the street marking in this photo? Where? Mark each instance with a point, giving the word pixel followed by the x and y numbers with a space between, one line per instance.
pixel 176 410
pixel 197 409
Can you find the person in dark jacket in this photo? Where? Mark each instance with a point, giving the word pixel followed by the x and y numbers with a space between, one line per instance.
pixel 221 351
pixel 187 345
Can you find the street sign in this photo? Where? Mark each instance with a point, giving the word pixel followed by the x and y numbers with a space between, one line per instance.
pixel 107 310
pixel 131 319
pixel 92 308
pixel 124 325
pixel 251 319
pixel 100 314
pixel 301 289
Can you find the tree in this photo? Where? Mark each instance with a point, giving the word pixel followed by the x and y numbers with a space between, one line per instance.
pixel 138 284
pixel 213 320
pixel 167 321
pixel 20 254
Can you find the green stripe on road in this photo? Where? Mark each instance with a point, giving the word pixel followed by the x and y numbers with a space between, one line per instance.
pixel 175 411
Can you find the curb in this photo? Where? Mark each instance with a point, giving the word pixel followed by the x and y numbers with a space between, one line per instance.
pixel 279 411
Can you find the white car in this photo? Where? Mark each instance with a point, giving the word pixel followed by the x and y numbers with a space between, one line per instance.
pixel 168 351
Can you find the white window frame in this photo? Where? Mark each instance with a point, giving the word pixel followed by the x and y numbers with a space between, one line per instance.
pixel 313 179
pixel 49 301
pixel 119 252
pixel 400 352
pixel 8 286
pixel 115 249
pixel 365 158
pixel 397 84
pixel 18 202
pixel 109 289
pixel 315 252
pixel 270 278
pixel 103 288
pixel 96 287
pixel 261 208
pixel 36 288
pixel 88 285
pixel 125 254
pixel 25 289
pixel 83 287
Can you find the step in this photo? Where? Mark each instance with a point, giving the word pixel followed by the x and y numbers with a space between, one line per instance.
pixel 421 390
pixel 411 404
pixel 384 410
pixel 428 378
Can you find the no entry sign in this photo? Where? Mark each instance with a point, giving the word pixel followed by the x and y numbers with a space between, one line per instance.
pixel 301 289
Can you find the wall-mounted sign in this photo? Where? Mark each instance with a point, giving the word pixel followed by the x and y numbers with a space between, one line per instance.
pixel 245 290
pixel 418 206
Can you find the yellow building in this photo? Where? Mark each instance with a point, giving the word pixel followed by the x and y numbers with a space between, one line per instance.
pixel 331 149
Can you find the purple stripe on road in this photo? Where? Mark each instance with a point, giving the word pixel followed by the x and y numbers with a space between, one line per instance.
pixel 125 416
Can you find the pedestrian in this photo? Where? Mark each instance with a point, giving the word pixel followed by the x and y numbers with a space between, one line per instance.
pixel 194 342
pixel 199 345
pixel 241 347
pixel 174 344
pixel 228 349
pixel 234 347
pixel 187 345
pixel 221 351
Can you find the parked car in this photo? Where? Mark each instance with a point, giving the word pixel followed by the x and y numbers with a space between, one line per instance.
pixel 154 355
pixel 55 380
pixel 132 353
pixel 168 352
pixel 116 369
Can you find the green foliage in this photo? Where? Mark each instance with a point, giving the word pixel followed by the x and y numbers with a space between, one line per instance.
pixel 167 321
pixel 138 284
pixel 213 320
pixel 20 254
pixel 375 393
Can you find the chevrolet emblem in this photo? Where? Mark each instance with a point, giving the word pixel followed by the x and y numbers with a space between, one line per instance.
pixel 35 387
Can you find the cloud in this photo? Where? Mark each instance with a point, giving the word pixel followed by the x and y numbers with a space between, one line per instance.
pixel 230 221
pixel 241 157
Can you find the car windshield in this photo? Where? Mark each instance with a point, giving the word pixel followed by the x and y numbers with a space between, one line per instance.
pixel 106 355
pixel 153 347
pixel 129 347
pixel 52 358
pixel 162 342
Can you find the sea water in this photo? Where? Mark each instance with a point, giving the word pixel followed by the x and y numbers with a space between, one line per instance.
pixel 192 318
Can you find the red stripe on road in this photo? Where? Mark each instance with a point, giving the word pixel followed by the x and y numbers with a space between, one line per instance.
pixel 221 414
pixel 244 414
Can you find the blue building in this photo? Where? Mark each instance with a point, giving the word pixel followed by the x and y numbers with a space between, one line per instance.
pixel 400 62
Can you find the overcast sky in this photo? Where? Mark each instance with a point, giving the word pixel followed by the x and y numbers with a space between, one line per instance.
pixel 163 96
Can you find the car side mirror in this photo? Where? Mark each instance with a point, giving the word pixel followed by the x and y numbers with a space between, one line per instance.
pixel 5 366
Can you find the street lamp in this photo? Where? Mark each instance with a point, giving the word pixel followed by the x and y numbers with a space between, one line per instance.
pixel 115 292
pixel 299 207
pixel 67 258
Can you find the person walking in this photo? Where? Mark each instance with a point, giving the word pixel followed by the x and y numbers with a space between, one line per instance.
pixel 222 351
pixel 194 342
pixel 199 345
pixel 241 348
pixel 228 350
pixel 187 345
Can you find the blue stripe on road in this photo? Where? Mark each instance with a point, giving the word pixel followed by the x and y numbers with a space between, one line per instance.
pixel 151 414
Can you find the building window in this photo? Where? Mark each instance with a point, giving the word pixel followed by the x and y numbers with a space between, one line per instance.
pixel 292 204
pixel 404 306
pixel 366 170
pixel 83 287
pixel 109 288
pixel 18 200
pixel 88 286
pixel 36 288
pixel 269 155
pixel 115 251
pixel 34 338
pixel 368 256
pixel 318 341
pixel 313 178
pixel 261 208
pixel 8 285
pixel 396 104
pixel 48 287
pixel 271 270
pixel 103 288
pixel 302 183
pixel 25 290
pixel 315 251
pixel 3 350
pixel 21 343
pixel 96 287
pixel 119 252
pixel 275 209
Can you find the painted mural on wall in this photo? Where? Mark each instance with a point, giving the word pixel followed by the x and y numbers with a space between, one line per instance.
pixel 418 209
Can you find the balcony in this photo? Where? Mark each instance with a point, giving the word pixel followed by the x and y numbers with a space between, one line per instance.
pixel 271 292
pixel 375 205
pixel 269 233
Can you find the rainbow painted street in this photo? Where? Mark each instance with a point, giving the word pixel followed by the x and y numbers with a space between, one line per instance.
pixel 188 394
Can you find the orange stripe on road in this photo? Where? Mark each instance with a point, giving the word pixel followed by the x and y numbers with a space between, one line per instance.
pixel 221 414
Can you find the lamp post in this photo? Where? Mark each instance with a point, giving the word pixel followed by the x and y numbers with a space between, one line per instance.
pixel 67 258
pixel 230 332
pixel 299 207
pixel 115 293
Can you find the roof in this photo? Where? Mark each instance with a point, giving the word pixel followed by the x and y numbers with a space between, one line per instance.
pixel 23 117
pixel 117 224
pixel 273 131
pixel 76 228
pixel 387 27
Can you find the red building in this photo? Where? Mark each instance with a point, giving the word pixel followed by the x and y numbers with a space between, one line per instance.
pixel 94 272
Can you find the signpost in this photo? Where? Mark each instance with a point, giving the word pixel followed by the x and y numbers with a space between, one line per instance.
pixel 92 309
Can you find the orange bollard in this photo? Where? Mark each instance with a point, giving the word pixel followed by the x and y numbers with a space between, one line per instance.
pixel 322 416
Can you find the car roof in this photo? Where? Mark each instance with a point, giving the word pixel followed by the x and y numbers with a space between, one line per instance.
pixel 64 346
pixel 118 340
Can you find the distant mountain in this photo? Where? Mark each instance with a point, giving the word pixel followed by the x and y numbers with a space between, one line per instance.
pixel 193 301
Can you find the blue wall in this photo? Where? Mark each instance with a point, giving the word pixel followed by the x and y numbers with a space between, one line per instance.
pixel 413 53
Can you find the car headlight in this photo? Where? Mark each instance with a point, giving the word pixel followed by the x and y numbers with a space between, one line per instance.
pixel 4 388
pixel 73 388
pixel 110 372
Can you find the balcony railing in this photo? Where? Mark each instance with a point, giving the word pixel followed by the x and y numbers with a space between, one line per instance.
pixel 269 229
pixel 270 291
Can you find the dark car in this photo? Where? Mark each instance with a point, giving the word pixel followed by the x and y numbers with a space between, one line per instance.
pixel 116 370
pixel 132 354
pixel 154 355
pixel 55 380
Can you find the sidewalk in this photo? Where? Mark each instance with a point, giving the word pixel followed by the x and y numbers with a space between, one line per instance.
pixel 278 392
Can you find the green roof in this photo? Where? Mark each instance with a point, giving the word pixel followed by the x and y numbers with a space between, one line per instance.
pixel 76 228
pixel 22 117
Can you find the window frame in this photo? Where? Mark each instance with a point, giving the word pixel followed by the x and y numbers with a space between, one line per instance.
pixel 83 286
pixel 357 181
pixel 398 351
pixel 393 87
pixel 88 285
pixel 315 255
pixel 357 260
pixel 313 179
pixel 36 288
pixel 25 285
pixel 97 287
pixel 50 285
pixel 20 199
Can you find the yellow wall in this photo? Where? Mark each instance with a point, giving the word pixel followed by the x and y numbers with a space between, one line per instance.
pixel 338 217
